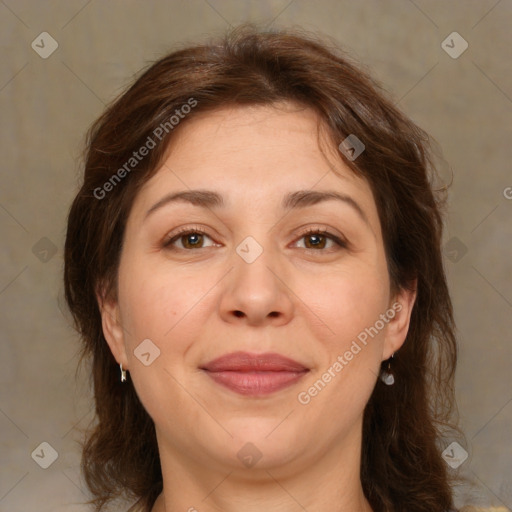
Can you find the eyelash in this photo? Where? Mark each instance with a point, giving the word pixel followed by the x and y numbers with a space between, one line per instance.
pixel 340 242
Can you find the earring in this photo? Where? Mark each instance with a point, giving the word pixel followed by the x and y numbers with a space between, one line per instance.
pixel 386 375
pixel 123 373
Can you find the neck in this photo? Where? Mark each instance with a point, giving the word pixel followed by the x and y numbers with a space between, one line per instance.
pixel 329 483
pixel 359 505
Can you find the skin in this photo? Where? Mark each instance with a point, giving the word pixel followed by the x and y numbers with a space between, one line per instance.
pixel 304 297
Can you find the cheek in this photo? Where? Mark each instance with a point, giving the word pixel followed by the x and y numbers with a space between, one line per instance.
pixel 346 302
pixel 168 307
pixel 349 305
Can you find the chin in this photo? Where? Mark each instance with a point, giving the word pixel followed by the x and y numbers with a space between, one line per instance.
pixel 272 441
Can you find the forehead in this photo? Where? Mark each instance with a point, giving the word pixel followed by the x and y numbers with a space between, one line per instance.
pixel 254 156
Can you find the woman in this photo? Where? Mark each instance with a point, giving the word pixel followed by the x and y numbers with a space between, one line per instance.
pixel 254 265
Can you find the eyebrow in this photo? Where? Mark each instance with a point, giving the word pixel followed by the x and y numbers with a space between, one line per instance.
pixel 299 199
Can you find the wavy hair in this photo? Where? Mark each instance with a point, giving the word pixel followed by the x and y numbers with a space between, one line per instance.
pixel 401 467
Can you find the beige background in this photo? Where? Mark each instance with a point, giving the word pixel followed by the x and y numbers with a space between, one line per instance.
pixel 47 104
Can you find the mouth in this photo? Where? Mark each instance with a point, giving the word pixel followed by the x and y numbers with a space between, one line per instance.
pixel 254 374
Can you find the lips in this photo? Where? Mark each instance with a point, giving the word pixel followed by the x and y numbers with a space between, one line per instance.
pixel 254 374
pixel 245 362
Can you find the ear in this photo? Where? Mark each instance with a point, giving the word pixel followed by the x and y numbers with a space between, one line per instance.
pixel 112 327
pixel 401 304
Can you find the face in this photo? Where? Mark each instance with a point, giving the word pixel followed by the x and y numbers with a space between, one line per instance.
pixel 254 239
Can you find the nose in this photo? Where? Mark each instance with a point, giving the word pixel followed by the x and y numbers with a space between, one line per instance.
pixel 257 293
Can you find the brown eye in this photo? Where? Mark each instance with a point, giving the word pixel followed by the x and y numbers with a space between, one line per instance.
pixel 191 239
pixel 315 241
pixel 319 240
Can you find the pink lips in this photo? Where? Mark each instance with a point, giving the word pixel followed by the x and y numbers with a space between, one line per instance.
pixel 254 374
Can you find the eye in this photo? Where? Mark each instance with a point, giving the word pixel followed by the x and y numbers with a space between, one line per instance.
pixel 188 239
pixel 196 238
pixel 316 239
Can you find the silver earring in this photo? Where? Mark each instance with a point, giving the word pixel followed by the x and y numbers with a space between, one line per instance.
pixel 386 376
pixel 123 373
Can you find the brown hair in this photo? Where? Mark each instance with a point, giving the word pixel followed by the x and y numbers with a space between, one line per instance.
pixel 402 468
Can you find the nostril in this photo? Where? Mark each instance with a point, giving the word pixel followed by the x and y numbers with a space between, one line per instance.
pixel 273 314
pixel 238 313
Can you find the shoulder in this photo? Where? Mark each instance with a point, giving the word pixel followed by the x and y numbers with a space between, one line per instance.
pixel 471 508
